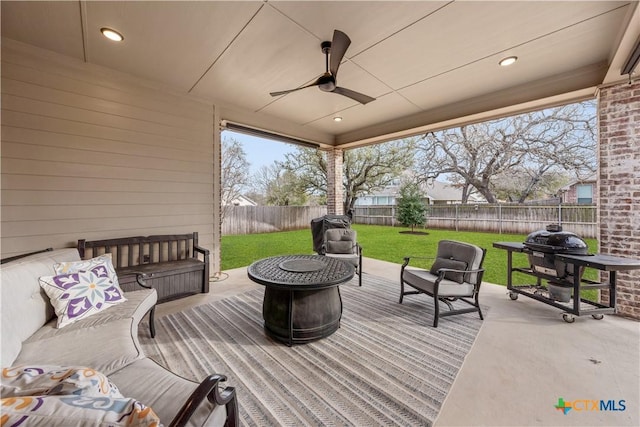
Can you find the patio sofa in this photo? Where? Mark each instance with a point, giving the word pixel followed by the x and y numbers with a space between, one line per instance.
pixel 105 342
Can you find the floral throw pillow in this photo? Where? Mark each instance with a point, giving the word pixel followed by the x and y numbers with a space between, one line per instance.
pixel 37 380
pixel 84 265
pixel 78 295
pixel 62 396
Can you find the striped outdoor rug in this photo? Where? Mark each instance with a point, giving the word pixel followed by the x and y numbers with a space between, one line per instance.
pixel 386 365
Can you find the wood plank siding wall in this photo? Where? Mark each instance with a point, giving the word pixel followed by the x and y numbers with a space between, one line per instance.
pixel 89 153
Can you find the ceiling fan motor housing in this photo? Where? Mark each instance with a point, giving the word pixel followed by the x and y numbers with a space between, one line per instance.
pixel 327 82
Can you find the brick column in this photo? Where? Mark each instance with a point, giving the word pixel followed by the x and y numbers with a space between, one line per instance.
pixel 335 196
pixel 619 187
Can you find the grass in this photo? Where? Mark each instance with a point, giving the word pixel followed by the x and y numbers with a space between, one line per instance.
pixel 383 243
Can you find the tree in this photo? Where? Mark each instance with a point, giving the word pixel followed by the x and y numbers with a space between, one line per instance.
pixel 365 169
pixel 280 187
pixel 534 145
pixel 410 206
pixel 234 172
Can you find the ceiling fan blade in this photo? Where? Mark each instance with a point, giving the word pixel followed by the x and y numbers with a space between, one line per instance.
pixel 284 92
pixel 360 97
pixel 339 46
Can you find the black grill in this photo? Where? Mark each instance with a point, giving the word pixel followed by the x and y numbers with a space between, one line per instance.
pixel 542 246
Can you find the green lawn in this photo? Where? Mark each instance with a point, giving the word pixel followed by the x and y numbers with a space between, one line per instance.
pixel 380 242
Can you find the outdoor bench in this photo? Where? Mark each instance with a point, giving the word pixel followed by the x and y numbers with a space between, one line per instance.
pixel 174 265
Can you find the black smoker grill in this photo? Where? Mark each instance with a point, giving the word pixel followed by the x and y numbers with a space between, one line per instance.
pixel 542 247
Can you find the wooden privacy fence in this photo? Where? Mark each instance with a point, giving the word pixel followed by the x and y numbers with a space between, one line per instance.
pixel 495 218
pixel 266 219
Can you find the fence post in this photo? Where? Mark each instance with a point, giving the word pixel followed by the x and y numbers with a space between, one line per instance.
pixel 457 219
pixel 393 215
pixel 500 218
pixel 559 213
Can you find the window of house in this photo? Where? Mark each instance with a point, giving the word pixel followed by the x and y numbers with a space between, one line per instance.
pixel 584 193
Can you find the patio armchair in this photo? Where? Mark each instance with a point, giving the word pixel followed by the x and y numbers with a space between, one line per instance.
pixel 456 274
pixel 342 243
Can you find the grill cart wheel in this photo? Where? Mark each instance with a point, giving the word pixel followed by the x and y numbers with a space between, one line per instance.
pixel 568 317
pixel 598 316
pixel 513 296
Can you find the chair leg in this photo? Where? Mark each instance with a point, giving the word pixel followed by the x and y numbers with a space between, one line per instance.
pixel 152 324
pixel 436 313
pixel 401 291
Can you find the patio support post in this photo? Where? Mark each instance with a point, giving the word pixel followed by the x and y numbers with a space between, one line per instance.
pixel 335 197
pixel 619 192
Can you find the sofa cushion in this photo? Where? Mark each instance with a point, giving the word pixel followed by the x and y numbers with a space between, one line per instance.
pixel 25 305
pixel 78 295
pixel 105 348
pixel 450 264
pixel 164 391
pixel 106 341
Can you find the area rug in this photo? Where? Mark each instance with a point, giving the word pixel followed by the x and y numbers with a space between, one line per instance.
pixel 386 364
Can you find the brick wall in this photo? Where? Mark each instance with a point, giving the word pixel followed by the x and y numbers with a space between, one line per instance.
pixel 619 187
pixel 334 180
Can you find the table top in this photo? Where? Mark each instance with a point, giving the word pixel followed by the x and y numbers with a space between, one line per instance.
pixel 301 272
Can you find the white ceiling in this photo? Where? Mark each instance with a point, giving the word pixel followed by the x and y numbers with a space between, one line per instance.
pixel 428 63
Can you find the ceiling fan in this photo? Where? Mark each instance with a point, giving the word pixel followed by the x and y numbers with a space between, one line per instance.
pixel 327 82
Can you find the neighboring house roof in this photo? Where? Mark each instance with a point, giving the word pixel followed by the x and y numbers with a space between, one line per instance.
pixel 243 201
pixel 592 179
pixel 434 191
pixel 442 191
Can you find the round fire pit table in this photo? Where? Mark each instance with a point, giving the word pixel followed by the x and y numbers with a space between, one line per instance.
pixel 302 301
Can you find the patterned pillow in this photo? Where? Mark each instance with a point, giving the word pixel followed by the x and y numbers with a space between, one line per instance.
pixel 55 380
pixel 78 411
pixel 88 264
pixel 62 396
pixel 58 396
pixel 75 296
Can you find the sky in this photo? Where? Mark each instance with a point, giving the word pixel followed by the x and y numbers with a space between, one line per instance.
pixel 260 151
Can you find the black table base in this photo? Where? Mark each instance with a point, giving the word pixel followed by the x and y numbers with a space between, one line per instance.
pixel 301 299
pixel 298 317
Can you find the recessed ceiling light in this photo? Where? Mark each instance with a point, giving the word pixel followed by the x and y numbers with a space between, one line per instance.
pixel 111 34
pixel 337 119
pixel 508 61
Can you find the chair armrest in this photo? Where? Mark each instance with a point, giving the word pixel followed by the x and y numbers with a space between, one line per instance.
pixel 209 388
pixel 201 250
pixel 444 270
pixel 408 259
pixel 140 278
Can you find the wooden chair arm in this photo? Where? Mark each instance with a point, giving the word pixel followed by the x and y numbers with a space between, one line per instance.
pixel 209 388
pixel 203 251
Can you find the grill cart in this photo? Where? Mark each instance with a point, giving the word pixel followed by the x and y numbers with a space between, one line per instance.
pixel 559 259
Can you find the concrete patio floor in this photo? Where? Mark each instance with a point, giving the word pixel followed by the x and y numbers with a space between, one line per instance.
pixel 524 359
